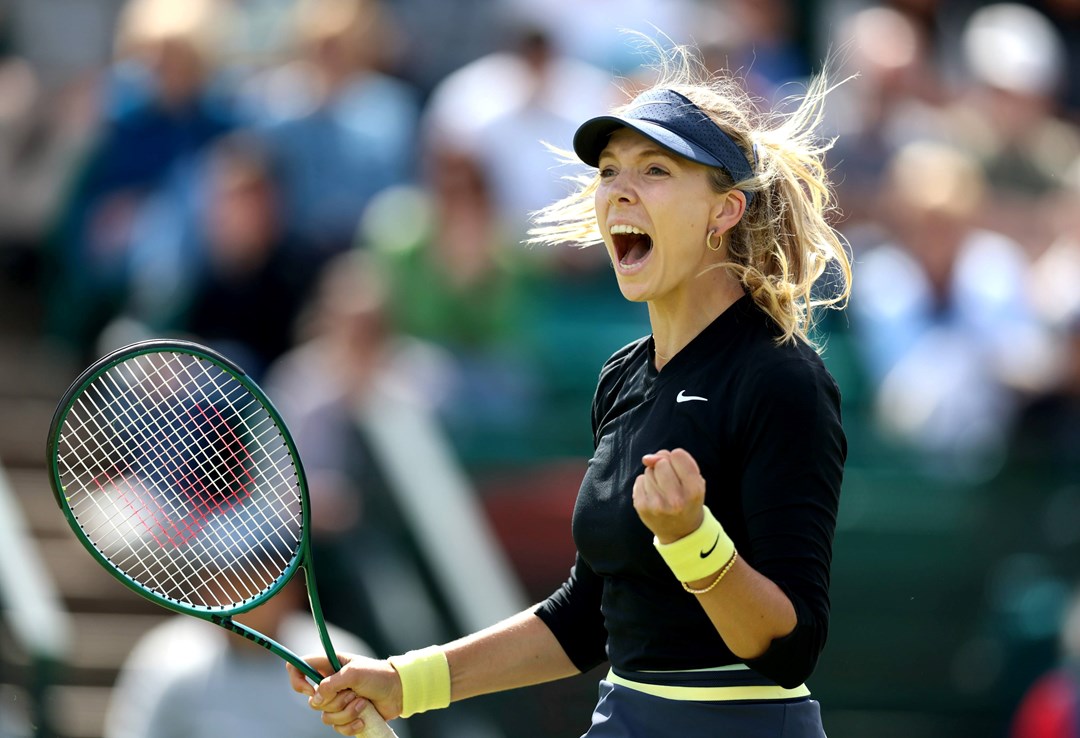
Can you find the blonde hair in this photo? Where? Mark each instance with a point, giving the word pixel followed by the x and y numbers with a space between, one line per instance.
pixel 784 242
pixel 144 23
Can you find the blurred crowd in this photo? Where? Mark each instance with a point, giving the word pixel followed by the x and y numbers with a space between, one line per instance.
pixel 335 193
pixel 199 180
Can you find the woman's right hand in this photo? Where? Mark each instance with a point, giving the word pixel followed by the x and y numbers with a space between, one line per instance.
pixel 343 696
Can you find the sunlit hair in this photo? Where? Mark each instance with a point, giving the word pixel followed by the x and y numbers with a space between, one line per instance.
pixel 149 23
pixel 784 243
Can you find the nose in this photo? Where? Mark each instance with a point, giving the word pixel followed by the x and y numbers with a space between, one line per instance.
pixel 620 190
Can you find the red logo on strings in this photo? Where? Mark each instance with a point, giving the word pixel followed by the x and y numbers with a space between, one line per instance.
pixel 196 472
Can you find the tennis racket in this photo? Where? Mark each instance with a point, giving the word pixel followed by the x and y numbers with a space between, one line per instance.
pixel 179 476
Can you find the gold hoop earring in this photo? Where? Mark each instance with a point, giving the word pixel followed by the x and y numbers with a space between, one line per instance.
pixel 708 240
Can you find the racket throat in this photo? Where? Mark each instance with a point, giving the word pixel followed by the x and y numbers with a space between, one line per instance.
pixel 228 623
pixel 271 645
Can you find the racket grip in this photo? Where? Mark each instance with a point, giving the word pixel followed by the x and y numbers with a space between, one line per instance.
pixel 374 725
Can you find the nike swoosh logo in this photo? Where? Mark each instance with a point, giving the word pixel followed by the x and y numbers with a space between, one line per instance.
pixel 705 554
pixel 683 397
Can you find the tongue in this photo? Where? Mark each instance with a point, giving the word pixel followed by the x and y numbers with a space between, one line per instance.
pixel 639 249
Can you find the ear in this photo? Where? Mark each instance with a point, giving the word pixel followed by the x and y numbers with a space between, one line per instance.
pixel 728 210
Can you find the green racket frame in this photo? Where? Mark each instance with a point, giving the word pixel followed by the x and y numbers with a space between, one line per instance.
pixel 221 616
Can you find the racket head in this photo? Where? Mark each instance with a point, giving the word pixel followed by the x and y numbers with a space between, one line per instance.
pixel 178 474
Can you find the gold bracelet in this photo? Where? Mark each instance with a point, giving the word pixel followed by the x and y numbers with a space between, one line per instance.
pixel 699 554
pixel 725 570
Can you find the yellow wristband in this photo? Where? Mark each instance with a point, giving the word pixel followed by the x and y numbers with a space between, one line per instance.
pixel 425 680
pixel 699 554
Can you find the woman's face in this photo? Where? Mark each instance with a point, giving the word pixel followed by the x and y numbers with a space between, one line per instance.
pixel 655 209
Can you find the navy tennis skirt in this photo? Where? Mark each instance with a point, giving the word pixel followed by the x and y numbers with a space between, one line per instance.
pixel 624 710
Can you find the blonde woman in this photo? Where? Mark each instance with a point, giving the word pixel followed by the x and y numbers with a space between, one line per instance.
pixel 705 519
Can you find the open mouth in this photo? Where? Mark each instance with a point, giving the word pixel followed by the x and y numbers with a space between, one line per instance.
pixel 632 245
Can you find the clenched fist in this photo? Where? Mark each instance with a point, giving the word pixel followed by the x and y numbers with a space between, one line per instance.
pixel 670 495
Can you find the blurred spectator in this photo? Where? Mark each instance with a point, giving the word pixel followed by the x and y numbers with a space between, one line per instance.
pixel 516 139
pixel 942 317
pixel 592 31
pixel 159 111
pixel 1065 15
pixel 41 136
pixel 187 677
pixel 1051 707
pixel 249 297
pixel 452 280
pixel 341 129
pixel 1047 433
pixel 756 39
pixel 938 22
pixel 441 36
pixel 502 108
pixel 214 262
pixel 1057 269
pixel 456 283
pixel 893 99
pixel 1010 117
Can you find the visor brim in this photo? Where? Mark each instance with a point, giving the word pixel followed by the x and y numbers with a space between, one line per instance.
pixel 592 136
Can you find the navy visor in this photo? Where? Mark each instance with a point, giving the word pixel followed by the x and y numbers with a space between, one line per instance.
pixel 671 120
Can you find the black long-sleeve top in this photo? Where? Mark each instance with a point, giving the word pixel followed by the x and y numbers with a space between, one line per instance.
pixel 763 423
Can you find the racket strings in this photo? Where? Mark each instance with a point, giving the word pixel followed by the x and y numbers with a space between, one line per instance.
pixel 188 477
pixel 181 534
pixel 140 512
pixel 226 445
pixel 182 479
pixel 190 525
pixel 137 439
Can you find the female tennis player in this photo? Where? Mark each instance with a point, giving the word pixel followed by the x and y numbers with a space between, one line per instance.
pixel 705 520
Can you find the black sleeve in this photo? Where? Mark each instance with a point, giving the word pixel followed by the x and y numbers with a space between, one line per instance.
pixel 573 614
pixel 793 468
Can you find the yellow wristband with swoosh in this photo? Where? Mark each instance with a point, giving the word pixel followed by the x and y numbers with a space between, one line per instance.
pixel 699 554
pixel 425 680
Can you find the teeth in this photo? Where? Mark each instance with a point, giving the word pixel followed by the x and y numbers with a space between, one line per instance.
pixel 627 229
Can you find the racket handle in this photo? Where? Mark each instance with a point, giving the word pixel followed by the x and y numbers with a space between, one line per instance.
pixel 374 725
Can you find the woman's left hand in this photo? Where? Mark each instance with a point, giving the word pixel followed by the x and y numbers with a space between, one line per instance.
pixel 670 495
